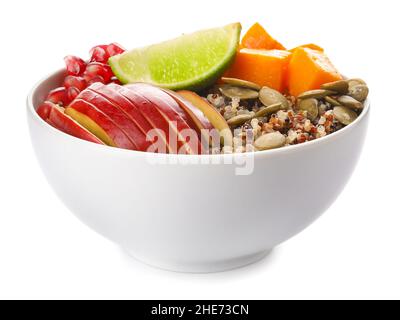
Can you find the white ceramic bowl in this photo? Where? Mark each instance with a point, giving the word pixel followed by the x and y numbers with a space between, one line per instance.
pixel 194 217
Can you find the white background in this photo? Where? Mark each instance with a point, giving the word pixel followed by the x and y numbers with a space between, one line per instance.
pixel 351 252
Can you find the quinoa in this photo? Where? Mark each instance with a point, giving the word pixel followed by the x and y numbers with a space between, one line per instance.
pixel 293 123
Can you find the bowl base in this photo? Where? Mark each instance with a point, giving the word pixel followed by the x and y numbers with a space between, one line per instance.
pixel 201 267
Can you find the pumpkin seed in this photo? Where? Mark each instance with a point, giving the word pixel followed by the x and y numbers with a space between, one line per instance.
pixel 322 109
pixel 241 83
pixel 341 86
pixel 332 101
pixel 270 97
pixel 350 102
pixel 359 92
pixel 317 94
pixel 344 115
pixel 311 106
pixel 244 111
pixel 273 108
pixel 355 82
pixel 238 92
pixel 270 141
pixel 240 119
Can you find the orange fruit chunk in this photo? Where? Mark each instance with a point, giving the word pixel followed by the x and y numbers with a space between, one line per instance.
pixel 258 38
pixel 309 69
pixel 264 67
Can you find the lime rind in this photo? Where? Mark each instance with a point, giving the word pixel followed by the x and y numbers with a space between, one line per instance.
pixel 191 61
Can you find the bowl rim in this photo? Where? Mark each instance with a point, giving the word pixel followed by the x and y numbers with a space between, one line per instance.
pixel 287 149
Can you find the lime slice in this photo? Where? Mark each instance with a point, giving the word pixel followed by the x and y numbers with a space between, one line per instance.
pixel 192 61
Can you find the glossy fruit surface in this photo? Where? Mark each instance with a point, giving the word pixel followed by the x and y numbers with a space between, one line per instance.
pixel 58 96
pixel 99 69
pixel 44 109
pixel 75 81
pixel 72 93
pixel 99 54
pixel 75 66
pixel 80 75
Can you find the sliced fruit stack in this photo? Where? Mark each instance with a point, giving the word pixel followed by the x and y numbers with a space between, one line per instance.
pixel 55 116
pixel 124 117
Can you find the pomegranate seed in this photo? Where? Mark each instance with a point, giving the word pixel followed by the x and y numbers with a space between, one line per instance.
pixel 58 96
pixel 44 109
pixel 114 49
pixel 94 79
pixel 75 66
pixel 101 46
pixel 72 93
pixel 99 54
pixel 73 81
pixel 99 69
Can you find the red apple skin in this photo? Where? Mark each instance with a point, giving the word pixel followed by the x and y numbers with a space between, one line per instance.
pixel 58 119
pixel 165 103
pixel 159 120
pixel 199 120
pixel 202 121
pixel 156 95
pixel 171 109
pixel 168 108
pixel 44 109
pixel 118 116
pixel 150 112
pixel 116 134
pixel 113 96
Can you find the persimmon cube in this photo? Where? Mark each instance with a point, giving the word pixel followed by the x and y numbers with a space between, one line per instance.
pixel 309 69
pixel 264 67
pixel 258 38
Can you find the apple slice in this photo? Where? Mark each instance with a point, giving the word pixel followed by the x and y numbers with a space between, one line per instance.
pixel 171 110
pixel 156 117
pixel 197 117
pixel 115 97
pixel 159 94
pixel 199 121
pixel 118 116
pixel 58 119
pixel 99 124
pixel 134 114
pixel 90 125
pixel 44 109
pixel 212 114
